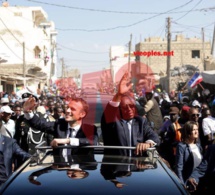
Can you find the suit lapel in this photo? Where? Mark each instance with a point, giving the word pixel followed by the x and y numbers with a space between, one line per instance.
pixel 62 129
pixel 2 143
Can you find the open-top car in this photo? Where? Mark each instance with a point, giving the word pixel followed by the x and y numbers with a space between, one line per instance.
pixel 47 173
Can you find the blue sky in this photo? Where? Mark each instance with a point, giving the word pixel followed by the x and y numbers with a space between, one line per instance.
pixel 88 28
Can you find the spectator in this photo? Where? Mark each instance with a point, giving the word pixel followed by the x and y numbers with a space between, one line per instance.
pixel 58 113
pixel 170 136
pixel 208 127
pixel 4 101
pixel 153 112
pixel 194 115
pixel 188 151
pixel 202 178
pixel 8 125
pixel 17 112
pixel 184 115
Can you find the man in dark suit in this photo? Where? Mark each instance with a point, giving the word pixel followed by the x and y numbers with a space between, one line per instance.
pixel 9 150
pixel 68 130
pixel 203 177
pixel 122 127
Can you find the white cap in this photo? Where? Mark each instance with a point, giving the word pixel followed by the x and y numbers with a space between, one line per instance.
pixel 6 109
pixel 196 103
pixel 4 100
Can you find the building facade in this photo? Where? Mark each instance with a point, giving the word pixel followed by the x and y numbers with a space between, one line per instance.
pixel 184 51
pixel 27 48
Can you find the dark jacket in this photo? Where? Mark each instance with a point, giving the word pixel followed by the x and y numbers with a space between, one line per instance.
pixel 184 161
pixel 115 132
pixel 206 170
pixel 11 150
pixel 87 134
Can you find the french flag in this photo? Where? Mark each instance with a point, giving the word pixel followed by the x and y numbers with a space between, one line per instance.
pixel 195 80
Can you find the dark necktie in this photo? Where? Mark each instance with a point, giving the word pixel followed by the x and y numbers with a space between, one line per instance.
pixel 71 132
pixel 71 135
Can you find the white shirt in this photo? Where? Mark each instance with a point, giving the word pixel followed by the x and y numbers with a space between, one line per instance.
pixel 197 157
pixel 10 126
pixel 73 141
pixel 208 125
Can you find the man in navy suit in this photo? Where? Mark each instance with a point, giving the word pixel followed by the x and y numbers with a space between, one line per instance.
pixel 69 130
pixel 9 151
pixel 122 127
pixel 203 177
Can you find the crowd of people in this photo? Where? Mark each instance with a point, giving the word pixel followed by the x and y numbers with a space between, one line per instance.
pixel 183 131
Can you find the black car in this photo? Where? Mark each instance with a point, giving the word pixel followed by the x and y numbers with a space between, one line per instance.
pixel 93 174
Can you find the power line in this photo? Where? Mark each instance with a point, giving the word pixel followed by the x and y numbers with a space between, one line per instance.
pixel 14 35
pixel 197 26
pixel 187 27
pixel 189 10
pixel 10 48
pixel 126 26
pixel 82 51
pixel 117 12
pixel 104 11
pixel 80 60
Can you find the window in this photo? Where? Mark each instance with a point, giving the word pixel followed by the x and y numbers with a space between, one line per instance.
pixel 37 51
pixel 195 54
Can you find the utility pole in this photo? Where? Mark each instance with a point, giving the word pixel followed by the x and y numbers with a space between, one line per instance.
pixel 24 65
pixel 63 68
pixel 213 44
pixel 168 56
pixel 203 48
pixel 52 68
pixel 129 54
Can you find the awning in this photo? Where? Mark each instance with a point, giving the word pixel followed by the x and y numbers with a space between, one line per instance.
pixel 208 76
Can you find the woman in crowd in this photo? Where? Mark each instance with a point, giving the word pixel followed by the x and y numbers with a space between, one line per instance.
pixel 188 151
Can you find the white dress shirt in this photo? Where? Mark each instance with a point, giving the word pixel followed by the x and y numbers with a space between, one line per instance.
pixel 10 126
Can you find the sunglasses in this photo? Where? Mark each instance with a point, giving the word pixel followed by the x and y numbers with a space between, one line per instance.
pixel 195 115
pixel 128 106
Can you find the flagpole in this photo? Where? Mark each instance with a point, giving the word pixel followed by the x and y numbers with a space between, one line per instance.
pixel 201 86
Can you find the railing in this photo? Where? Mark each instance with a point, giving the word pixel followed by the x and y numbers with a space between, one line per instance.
pixel 151 152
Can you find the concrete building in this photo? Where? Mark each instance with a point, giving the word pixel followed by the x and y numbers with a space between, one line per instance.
pixel 27 48
pixel 184 51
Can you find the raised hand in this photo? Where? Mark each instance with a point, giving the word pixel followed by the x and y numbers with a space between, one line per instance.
pixel 123 87
pixel 124 84
pixel 29 104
